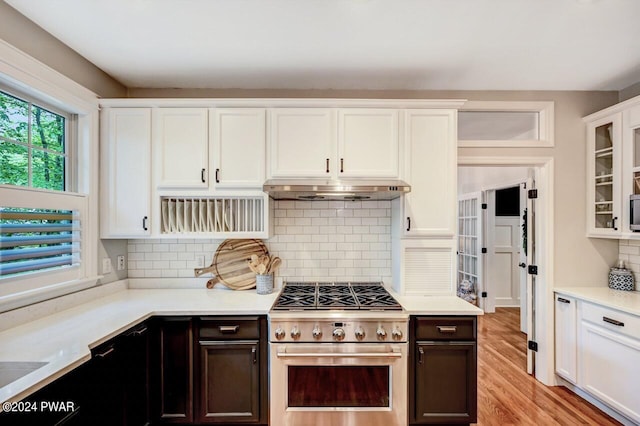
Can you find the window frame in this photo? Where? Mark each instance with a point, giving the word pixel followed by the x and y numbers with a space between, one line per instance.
pixel 545 109
pixel 69 141
pixel 23 75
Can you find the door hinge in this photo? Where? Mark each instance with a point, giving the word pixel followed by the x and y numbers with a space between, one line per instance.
pixel 484 249
pixel 484 294
pixel 484 206
pixel 533 270
pixel 532 345
pixel 532 194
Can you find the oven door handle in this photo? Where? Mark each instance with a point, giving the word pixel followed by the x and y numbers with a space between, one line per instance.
pixel 339 355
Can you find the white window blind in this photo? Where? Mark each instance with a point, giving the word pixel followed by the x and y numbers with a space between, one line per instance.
pixel 37 239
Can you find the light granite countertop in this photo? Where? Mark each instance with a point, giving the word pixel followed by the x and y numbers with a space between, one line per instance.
pixel 625 301
pixel 64 339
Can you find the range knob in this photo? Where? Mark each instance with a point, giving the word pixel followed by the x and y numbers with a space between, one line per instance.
pixel 360 333
pixel 338 334
pixel 295 333
pixel 279 333
pixel 381 333
pixel 317 333
pixel 396 334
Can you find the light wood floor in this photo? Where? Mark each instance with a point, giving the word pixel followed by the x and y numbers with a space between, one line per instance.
pixel 507 395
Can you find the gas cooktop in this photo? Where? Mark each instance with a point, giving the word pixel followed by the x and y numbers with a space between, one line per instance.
pixel 371 296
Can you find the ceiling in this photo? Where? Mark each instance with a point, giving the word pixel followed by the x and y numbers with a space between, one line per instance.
pixel 352 44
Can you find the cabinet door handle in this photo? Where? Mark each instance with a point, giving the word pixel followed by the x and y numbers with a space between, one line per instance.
pixel 138 332
pixel 104 354
pixel 560 299
pixel 144 223
pixel 342 165
pixel 420 355
pixel 612 321
pixel 327 165
pixel 217 175
pixel 613 224
pixel 202 175
pixel 408 223
pixel 447 329
pixel 229 329
pixel 254 353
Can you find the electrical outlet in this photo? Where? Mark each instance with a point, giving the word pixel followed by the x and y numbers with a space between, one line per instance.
pixel 200 261
pixel 121 262
pixel 106 265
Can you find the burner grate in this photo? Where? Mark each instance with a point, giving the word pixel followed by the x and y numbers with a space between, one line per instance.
pixel 339 295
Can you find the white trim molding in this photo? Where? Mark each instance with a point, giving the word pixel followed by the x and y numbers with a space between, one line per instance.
pixel 546 118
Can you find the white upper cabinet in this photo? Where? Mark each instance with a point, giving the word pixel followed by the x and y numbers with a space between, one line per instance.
pixel 180 146
pixel 430 167
pixel 324 142
pixel 368 143
pixel 125 172
pixel 604 175
pixel 302 142
pixel 238 147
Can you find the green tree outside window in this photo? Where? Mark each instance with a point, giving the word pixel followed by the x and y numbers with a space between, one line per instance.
pixel 32 145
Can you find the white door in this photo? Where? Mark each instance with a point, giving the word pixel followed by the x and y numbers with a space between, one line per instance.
pixel 505 273
pixel 368 143
pixel 470 241
pixel 126 172
pixel 303 143
pixel 181 146
pixel 239 147
pixel 531 279
pixel 524 226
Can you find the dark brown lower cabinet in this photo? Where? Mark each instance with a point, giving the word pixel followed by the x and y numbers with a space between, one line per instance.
pixel 172 370
pixel 210 370
pixel 229 382
pixel 443 383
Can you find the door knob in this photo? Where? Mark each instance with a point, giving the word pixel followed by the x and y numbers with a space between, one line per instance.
pixel 522 265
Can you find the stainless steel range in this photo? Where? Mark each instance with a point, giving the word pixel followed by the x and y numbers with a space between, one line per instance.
pixel 338 355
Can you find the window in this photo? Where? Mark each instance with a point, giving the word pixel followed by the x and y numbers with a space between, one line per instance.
pixel 33 145
pixel 506 124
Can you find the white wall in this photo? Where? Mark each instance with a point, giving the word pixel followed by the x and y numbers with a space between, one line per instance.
pixel 474 179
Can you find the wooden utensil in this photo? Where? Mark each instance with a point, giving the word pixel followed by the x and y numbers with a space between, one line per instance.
pixel 275 262
pixel 230 264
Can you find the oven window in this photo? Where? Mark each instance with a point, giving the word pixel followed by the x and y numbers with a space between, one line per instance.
pixel 338 386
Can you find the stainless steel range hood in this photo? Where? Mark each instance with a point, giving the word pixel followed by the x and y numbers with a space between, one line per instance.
pixel 322 189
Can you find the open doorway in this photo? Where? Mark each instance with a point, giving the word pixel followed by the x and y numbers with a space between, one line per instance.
pixel 494 234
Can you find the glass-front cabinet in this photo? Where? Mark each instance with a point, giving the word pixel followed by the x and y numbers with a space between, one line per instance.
pixel 631 165
pixel 604 171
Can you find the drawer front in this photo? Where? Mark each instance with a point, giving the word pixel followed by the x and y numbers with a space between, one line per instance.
pixel 612 319
pixel 229 328
pixel 445 328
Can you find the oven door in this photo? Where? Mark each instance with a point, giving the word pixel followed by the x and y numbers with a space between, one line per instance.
pixel 338 384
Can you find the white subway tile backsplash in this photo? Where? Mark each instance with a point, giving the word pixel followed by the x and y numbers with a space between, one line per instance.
pixel 319 240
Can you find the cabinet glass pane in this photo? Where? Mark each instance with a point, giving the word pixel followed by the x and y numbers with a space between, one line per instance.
pixel 603 157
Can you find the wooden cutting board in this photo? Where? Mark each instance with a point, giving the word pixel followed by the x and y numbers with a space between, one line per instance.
pixel 230 264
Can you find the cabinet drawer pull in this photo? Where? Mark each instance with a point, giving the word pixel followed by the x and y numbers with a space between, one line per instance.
pixel 447 329
pixel 254 353
pixel 144 223
pixel 327 165
pixel 613 224
pixel 217 175
pixel 202 175
pixel 342 165
pixel 560 299
pixel 138 332
pixel 105 353
pixel 229 329
pixel 420 355
pixel 612 321
pixel 408 223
